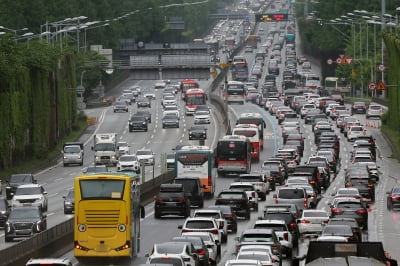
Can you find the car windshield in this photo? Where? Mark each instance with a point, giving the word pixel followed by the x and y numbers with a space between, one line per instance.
pixel 28 191
pixel 129 158
pixel 142 152
pixel 22 213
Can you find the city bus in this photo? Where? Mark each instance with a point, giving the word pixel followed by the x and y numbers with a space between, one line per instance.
pixel 107 216
pixel 235 92
pixel 312 81
pixel 256 119
pixel 188 84
pixel 233 155
pixel 251 132
pixel 196 161
pixel 336 85
pixel 194 98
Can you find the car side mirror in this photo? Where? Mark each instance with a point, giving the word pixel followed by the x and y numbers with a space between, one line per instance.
pixel 237 238
pixel 34 181
pixel 64 197
pixel 180 226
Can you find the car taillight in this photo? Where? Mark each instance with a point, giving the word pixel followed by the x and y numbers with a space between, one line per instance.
pixel 349 185
pixel 276 200
pixel 305 221
pixel 394 197
pixel 325 222
pixel 370 185
pixel 182 200
pixel 221 223
pixel 253 194
pixel 286 236
pixel 209 181
pixel 158 200
pixel 229 217
pixel 305 203
pixel 214 231
pixel 270 179
pixel 185 231
pixel 292 225
pixel 361 211
pixel 336 211
pixel 201 252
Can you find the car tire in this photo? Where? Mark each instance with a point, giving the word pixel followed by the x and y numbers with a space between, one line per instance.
pixel 234 229
pixel 248 215
pixel 256 208
pixel 156 215
pixel 289 254
pixel 8 239
pixel 224 238
pixel 389 206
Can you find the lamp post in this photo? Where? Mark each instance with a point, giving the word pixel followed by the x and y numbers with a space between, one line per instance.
pixel 12 30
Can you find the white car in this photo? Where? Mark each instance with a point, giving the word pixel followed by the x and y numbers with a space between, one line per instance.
pixel 212 245
pixel 243 262
pixel 202 224
pixel 202 117
pixel 128 162
pixel 30 195
pixel 168 100
pixel 150 95
pixel 123 148
pixel 184 250
pixel 263 257
pixel 312 222
pixel 160 84
pixel 374 110
pixel 219 217
pixel 355 131
pixel 145 156
pixel 171 112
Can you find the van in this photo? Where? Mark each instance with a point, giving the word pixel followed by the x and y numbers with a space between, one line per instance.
pixel 192 185
pixel 296 196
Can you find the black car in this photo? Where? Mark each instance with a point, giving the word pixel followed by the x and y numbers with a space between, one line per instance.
pixel 69 202
pixel 193 186
pixel 143 102
pixel 237 199
pixel 348 221
pixel 350 208
pixel 393 198
pixel 138 122
pixel 23 222
pixel 146 114
pixel 170 121
pixel 15 181
pixel 4 211
pixel 228 214
pixel 359 108
pixel 197 132
pixel 172 200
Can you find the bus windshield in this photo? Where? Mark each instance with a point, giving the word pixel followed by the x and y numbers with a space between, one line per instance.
pixel 197 99
pixel 101 189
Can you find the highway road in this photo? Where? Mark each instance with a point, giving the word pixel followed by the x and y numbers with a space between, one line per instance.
pixel 383 225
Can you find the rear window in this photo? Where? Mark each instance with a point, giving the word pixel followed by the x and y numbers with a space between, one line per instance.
pixel 199 224
pixel 230 195
pixel 171 195
pixel 315 214
pixel 257 238
pixel 349 205
pixel 188 185
pixel 167 260
pixel 291 193
pixel 276 227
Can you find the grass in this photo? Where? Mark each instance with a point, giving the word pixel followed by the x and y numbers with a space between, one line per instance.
pixel 34 165
pixel 394 138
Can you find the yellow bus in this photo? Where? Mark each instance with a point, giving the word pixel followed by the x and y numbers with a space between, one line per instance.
pixel 107 215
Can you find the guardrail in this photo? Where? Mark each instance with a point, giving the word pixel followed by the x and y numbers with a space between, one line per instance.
pixel 57 240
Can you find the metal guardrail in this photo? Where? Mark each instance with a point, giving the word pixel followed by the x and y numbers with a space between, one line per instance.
pixel 170 60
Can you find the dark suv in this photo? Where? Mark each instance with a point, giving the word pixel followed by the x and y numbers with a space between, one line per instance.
pixel 4 211
pixel 237 199
pixel 138 122
pixel 69 202
pixel 192 185
pixel 228 214
pixel 24 222
pixel 172 199
pixel 15 181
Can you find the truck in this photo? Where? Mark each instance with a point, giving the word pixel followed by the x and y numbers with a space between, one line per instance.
pixel 105 148
pixel 252 41
pixel 345 253
pixel 73 153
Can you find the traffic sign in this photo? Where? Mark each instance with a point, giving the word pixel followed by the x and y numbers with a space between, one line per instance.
pixel 371 86
pixel 329 61
pixel 381 68
pixel 381 86
pixel 349 60
pixel 224 65
pixel 338 60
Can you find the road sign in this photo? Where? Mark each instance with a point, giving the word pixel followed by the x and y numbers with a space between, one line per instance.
pixel 349 60
pixel 329 61
pixel 338 60
pixel 371 86
pixel 224 65
pixel 381 68
pixel 80 89
pixel 381 86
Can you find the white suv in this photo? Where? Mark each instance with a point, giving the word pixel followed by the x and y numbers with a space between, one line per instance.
pixel 185 250
pixel 219 217
pixel 32 195
pixel 145 156
pixel 128 162
pixel 49 261
pixel 201 224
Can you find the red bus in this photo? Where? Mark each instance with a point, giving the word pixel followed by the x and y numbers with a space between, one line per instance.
pixel 194 98
pixel 252 133
pixel 255 119
pixel 188 84
pixel 233 155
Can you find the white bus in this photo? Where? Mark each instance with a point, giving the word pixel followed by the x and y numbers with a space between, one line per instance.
pixel 312 81
pixel 337 85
